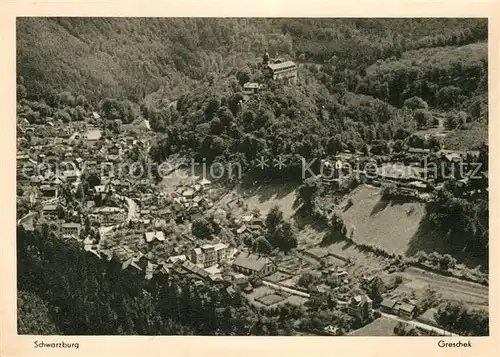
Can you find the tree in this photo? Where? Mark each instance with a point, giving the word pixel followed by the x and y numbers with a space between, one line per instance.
pixel 262 245
pixel 400 329
pixel 243 76
pixel 21 92
pixel 212 107
pixel 283 236
pixel 422 117
pixel 66 98
pixel 461 118
pixel 416 141
pixel 338 225
pixel 110 108
pixel 380 147
pixel 415 103
pixel 202 229
pixel 307 279
pixel 447 262
pixel 308 192
pixel 448 314
pixel 430 299
pixel 225 115
pixel 375 290
pixel 335 145
pixel 397 146
pixel 81 100
pixel 216 126
pixel 274 218
pixel 448 96
pixel 434 143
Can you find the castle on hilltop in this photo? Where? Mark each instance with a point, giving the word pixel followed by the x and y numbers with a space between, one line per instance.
pixel 278 69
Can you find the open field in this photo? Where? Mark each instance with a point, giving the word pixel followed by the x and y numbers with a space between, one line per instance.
pixel 475 295
pixel 266 197
pixel 467 139
pixel 381 223
pixel 382 326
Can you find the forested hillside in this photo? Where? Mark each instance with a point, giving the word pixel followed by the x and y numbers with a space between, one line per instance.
pixel 128 58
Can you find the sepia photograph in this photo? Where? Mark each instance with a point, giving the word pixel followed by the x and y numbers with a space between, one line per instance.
pixel 258 176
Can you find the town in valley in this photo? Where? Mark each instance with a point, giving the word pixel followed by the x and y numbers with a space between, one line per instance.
pixel 252 176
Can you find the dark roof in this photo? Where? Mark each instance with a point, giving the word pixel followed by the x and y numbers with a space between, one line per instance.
pixel 240 282
pixel 187 265
pixel 388 303
pixel 251 262
pixel 406 307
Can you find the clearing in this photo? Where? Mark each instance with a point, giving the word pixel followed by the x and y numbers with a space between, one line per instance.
pixel 418 280
pixel 381 223
pixel 267 196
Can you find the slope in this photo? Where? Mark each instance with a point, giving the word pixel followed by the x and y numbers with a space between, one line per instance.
pixel 381 223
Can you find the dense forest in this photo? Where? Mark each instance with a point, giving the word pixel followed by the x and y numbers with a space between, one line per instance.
pixel 128 58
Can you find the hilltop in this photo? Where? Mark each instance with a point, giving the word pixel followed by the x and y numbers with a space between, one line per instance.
pixel 128 58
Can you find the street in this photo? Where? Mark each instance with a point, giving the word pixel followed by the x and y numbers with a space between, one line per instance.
pixel 420 325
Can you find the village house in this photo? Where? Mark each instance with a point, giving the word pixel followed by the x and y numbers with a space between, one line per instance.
pixel 109 214
pixel 71 175
pixel 139 223
pixel 209 254
pixel 197 257
pixel 406 310
pixel 71 229
pixel 194 270
pixel 49 212
pixel 99 190
pixel 177 258
pixel 48 191
pixel 248 263
pixel 360 306
pixel 387 306
pixel 403 309
pixel 251 87
pixel 156 235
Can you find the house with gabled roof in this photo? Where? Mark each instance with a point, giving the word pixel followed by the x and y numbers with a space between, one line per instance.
pixel 71 229
pixel 248 263
pixel 360 306
pixel 155 235
pixel 283 71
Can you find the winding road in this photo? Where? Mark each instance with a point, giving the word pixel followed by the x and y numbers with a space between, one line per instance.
pixel 132 211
